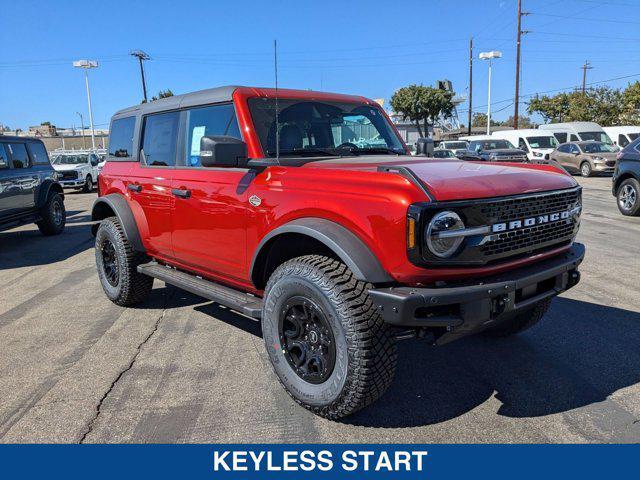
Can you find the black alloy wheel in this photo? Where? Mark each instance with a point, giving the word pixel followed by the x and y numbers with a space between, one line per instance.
pixel 307 340
pixel 110 263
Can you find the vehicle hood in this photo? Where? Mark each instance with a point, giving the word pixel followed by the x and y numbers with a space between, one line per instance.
pixel 62 168
pixel 453 179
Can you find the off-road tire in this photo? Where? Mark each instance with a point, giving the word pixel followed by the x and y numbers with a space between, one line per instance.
pixel 131 287
pixel 585 169
pixel 88 184
pixel 53 216
pixel 629 185
pixel 366 352
pixel 520 322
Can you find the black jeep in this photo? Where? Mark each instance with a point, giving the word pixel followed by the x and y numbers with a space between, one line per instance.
pixel 29 190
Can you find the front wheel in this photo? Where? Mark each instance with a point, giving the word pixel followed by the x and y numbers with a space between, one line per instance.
pixel 88 184
pixel 629 197
pixel 327 343
pixel 585 169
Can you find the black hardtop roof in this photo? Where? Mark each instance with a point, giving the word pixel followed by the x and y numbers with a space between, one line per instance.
pixel 14 138
pixel 201 97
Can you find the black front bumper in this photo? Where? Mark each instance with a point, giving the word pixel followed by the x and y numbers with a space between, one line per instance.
pixel 466 308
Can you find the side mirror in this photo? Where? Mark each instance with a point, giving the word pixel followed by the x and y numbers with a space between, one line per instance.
pixel 222 151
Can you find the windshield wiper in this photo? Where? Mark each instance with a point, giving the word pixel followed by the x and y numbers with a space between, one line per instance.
pixel 374 150
pixel 306 151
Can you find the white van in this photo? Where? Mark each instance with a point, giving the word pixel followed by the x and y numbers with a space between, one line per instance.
pixel 538 144
pixel 623 136
pixel 577 132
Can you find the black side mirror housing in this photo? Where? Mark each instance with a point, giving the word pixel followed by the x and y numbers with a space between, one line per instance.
pixel 222 151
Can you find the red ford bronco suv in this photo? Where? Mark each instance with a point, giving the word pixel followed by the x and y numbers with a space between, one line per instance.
pixel 304 210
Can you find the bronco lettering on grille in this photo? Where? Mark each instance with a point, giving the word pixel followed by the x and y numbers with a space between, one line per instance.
pixel 530 222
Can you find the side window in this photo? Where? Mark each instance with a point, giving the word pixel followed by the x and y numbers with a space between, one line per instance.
pixel 93 159
pixel 574 138
pixel 622 140
pixel 563 148
pixel 560 136
pixel 4 158
pixel 38 153
pixel 160 135
pixel 19 155
pixel 575 149
pixel 121 137
pixel 207 121
pixel 522 145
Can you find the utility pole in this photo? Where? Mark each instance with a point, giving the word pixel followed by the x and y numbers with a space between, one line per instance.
pixel 84 145
pixel 585 67
pixel 141 58
pixel 519 35
pixel 470 83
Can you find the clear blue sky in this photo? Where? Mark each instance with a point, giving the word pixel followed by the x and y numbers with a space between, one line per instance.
pixel 367 47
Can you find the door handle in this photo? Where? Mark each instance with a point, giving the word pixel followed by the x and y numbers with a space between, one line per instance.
pixel 182 193
pixel 134 188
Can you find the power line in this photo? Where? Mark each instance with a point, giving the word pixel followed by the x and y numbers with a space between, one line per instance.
pixel 586 19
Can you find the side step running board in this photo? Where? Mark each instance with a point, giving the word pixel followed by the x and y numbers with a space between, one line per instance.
pixel 233 299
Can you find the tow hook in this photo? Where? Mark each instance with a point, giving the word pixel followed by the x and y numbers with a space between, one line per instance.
pixel 500 304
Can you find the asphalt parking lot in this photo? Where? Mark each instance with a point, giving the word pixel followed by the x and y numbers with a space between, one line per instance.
pixel 76 368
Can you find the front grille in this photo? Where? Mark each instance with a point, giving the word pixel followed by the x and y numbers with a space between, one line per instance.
pixel 531 237
pixel 524 207
pixel 511 158
pixel 610 163
pixel 68 175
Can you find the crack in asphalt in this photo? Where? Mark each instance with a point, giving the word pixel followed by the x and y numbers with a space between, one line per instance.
pixel 91 423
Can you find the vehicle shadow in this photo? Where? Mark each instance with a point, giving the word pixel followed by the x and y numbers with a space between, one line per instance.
pixel 28 247
pixel 578 355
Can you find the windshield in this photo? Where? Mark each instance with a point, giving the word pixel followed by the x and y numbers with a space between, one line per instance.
pixel 597 136
pixel 542 142
pixel 69 160
pixel 478 145
pixel 322 128
pixel 456 145
pixel 443 154
pixel 597 147
pixel 633 136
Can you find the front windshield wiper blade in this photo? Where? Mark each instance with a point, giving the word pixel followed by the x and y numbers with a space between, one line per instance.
pixel 306 151
pixel 375 150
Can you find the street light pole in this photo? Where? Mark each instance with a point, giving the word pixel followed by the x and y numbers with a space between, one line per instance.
pixel 84 145
pixel 86 65
pixel 489 56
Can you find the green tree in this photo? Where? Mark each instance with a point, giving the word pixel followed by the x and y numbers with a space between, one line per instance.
pixel 422 105
pixel 480 120
pixel 523 122
pixel 46 124
pixel 162 94
pixel 631 104
pixel 552 108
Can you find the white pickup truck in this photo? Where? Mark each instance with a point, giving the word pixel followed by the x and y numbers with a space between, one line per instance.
pixel 76 169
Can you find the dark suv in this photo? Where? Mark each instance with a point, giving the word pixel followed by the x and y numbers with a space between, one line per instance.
pixel 626 179
pixel 29 190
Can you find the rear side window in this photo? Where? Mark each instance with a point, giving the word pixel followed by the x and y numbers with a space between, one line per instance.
pixel 622 140
pixel 563 148
pixel 522 145
pixel 38 153
pixel 574 138
pixel 19 155
pixel 121 137
pixel 4 157
pixel 208 121
pixel 560 136
pixel 160 135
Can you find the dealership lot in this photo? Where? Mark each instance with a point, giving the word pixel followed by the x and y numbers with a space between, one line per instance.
pixel 74 367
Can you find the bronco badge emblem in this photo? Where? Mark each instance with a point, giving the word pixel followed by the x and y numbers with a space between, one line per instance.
pixel 255 200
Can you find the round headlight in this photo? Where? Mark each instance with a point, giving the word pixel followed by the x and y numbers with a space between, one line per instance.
pixel 441 238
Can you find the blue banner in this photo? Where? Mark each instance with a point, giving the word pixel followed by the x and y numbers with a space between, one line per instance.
pixel 493 462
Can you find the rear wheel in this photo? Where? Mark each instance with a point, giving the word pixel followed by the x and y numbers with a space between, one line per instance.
pixel 53 216
pixel 520 322
pixel 327 343
pixel 117 264
pixel 629 197
pixel 585 169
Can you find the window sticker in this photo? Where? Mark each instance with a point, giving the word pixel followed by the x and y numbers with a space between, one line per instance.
pixel 198 133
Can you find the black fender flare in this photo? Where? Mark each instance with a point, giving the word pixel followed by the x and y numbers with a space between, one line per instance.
pixel 118 205
pixel 45 189
pixel 341 241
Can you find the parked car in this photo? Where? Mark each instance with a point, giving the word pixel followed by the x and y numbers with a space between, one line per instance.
pixel 586 158
pixel 493 149
pixel 339 249
pixel 77 170
pixel 537 144
pixel 29 191
pixel 577 132
pixel 455 145
pixel 626 179
pixel 623 135
pixel 443 153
